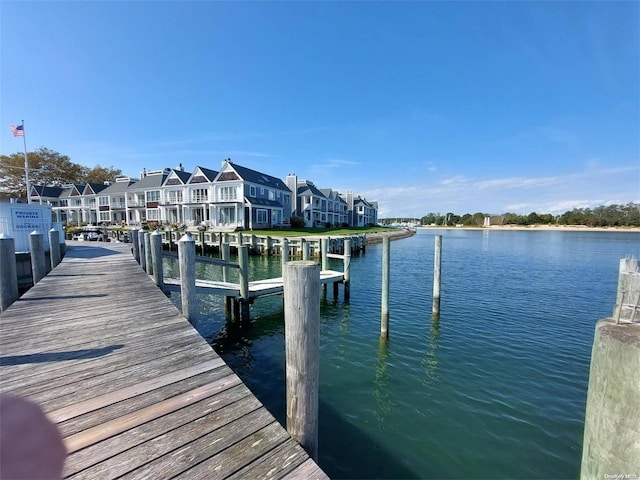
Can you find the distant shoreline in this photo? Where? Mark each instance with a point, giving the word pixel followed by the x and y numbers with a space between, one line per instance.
pixel 553 228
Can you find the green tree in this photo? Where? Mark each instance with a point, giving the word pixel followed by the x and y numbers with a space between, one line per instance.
pixel 47 168
pixel 100 174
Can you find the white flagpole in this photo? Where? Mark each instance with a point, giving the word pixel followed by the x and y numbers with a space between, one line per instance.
pixel 26 164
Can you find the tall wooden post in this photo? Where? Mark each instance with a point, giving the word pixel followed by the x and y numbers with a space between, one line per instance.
pixel 54 248
pixel 38 260
pixel 133 235
pixel 269 241
pixel 155 240
pixel 284 250
pixel 347 268
pixel 226 256
pixel 306 250
pixel 148 253
pixel 436 276
pixel 243 261
pixel 8 272
pixel 324 247
pixel 384 317
pixel 302 334
pixel 143 258
pixel 187 262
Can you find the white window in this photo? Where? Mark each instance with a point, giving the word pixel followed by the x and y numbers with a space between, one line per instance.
pixel 261 190
pixel 200 195
pixel 228 193
pixel 252 191
pixel 286 198
pixel 175 196
pixel 272 195
pixel 153 214
pixel 104 217
pixel 261 216
pixel 104 201
pixel 153 196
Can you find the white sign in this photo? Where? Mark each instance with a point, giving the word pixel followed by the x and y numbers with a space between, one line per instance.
pixel 27 219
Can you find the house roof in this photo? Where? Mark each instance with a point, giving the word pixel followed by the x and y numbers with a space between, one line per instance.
pixel 151 181
pixel 51 192
pixel 307 187
pixel 177 177
pixel 93 188
pixel 262 202
pixel 252 176
pixel 118 187
pixel 68 191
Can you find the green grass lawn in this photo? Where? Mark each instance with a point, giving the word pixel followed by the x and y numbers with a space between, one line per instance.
pixel 298 232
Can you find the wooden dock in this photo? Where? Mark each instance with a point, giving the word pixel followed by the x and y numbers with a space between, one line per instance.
pixel 133 388
pixel 257 288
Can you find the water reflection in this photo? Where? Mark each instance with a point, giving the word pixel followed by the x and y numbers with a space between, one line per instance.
pixel 384 403
pixel 430 361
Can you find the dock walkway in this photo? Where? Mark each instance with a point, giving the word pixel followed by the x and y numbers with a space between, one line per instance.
pixel 134 389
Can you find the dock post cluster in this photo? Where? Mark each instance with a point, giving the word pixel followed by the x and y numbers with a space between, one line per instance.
pixel 10 278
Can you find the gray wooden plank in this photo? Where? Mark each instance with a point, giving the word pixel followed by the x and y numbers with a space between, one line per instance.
pixel 151 452
pixel 93 458
pixel 276 463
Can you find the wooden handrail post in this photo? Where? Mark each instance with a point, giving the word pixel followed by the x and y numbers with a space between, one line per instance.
pixel 8 272
pixel 306 250
pixel 148 253
pixel 38 260
pixel 156 258
pixel 436 276
pixel 324 247
pixel 384 317
pixel 187 262
pixel 226 256
pixel 302 334
pixel 347 268
pixel 133 235
pixel 54 248
pixel 143 258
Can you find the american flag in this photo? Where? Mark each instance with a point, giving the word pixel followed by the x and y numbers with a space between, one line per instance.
pixel 17 130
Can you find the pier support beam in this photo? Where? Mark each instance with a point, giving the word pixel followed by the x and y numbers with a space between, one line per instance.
pixel 347 269
pixel 133 235
pixel 148 254
pixel 243 261
pixel 384 314
pixel 187 262
pixel 302 333
pixel 38 260
pixel 435 309
pixel 54 248
pixel 155 239
pixel 143 258
pixel 8 272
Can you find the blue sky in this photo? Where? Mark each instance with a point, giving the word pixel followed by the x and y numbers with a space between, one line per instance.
pixel 424 107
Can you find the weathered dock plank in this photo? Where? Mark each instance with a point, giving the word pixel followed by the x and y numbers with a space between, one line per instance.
pixel 135 391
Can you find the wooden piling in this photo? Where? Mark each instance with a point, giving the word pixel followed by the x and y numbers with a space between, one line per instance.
pixel 384 316
pixel 306 250
pixel 436 276
pixel 155 239
pixel 147 253
pixel 243 261
pixel 54 248
pixel 38 260
pixel 143 258
pixel 324 247
pixel 226 256
pixel 269 242
pixel 187 262
pixel 8 272
pixel 133 235
pixel 347 268
pixel 302 333
pixel 284 250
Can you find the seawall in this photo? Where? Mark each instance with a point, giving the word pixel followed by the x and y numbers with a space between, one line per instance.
pixel 377 237
pixel 611 447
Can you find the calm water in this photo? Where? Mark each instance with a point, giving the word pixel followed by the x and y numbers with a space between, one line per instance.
pixel 495 389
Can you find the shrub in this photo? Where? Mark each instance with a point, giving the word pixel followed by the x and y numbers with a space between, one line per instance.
pixel 297 222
